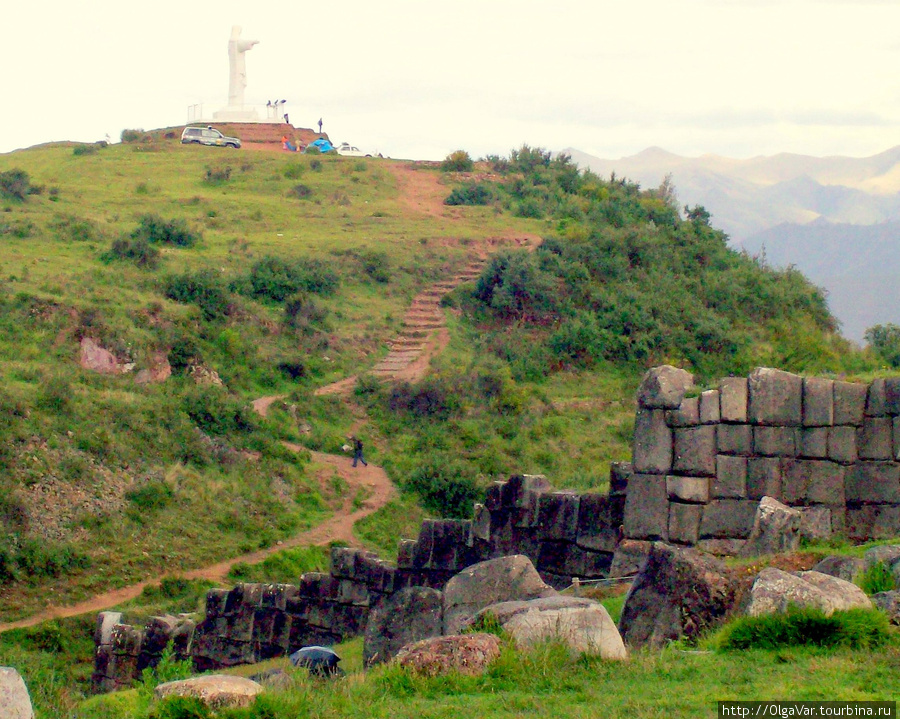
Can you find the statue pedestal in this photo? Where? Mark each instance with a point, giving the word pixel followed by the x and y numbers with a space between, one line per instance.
pixel 236 114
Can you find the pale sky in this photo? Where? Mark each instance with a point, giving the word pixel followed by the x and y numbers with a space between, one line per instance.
pixel 420 78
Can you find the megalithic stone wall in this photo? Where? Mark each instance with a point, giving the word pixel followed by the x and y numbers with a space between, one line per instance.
pixel 702 462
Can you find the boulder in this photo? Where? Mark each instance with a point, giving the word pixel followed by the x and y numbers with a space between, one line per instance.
pixel 217 691
pixel 582 624
pixel 774 590
pixel 105 623
pixel 15 703
pixel 776 528
pixel 664 387
pixel 680 592
pixel 403 618
pixel 887 553
pixel 97 359
pixel 467 654
pixel 496 580
pixel 889 603
pixel 842 567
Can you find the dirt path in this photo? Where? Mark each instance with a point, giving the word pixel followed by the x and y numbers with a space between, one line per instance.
pixel 339 527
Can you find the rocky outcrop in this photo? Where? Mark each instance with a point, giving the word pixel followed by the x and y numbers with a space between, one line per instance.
pixel 581 624
pixel 15 702
pixel 467 654
pixel 496 580
pixel 774 591
pixel 406 617
pixel 679 593
pixel 217 691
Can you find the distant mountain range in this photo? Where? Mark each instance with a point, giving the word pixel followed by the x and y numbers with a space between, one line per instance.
pixel 837 219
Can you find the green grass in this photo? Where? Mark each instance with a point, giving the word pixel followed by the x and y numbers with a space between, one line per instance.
pixel 284 567
pixel 549 682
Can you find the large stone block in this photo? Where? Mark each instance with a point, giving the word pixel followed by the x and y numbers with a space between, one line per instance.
pixel 695 451
pixel 629 557
pixel 599 521
pixel 664 387
pixel 776 397
pixel 849 403
pixel 892 395
pixel 815 522
pixel 619 474
pixel 776 529
pixel 734 439
pixel 710 412
pixel 873 521
pixel 103 627
pixel 731 478
pixel 694 490
pixel 646 507
pixel 733 399
pixel 775 441
pixel 814 442
pixel 895 431
pixel 874 438
pixel 842 444
pixel 652 442
pixel 450 544
pixel 728 519
pixel 764 477
pixel 679 593
pixel 481 523
pixel 687 414
pixel 811 481
pixel 818 402
pixel 876 405
pixel 684 522
pixel 514 492
pixel 873 483
pixel 406 617
pixel 558 516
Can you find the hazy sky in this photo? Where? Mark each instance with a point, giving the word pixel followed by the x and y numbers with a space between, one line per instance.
pixel 419 78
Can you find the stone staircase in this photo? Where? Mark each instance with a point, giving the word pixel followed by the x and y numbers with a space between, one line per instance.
pixel 423 318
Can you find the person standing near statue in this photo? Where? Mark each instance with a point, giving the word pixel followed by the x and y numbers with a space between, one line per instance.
pixel 358 451
pixel 320 125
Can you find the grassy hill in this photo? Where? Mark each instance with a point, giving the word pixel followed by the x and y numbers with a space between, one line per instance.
pixel 257 273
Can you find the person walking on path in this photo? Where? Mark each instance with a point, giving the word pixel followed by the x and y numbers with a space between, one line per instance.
pixel 358 451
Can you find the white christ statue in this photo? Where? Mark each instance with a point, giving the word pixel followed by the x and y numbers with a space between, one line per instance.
pixel 237 50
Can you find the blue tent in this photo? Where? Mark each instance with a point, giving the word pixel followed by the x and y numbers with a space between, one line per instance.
pixel 322 145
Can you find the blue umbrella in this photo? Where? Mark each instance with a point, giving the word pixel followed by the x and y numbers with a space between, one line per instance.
pixel 320 661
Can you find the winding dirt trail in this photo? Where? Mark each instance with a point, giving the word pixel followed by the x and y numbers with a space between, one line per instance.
pixel 339 527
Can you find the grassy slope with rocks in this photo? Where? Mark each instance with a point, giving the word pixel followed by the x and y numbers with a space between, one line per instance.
pixel 280 274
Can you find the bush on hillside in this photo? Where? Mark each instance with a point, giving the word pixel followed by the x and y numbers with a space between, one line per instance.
pixel 156 230
pixel 885 342
pixel 476 193
pixel 303 313
pixel 215 411
pixel 16 185
pixel 275 279
pixel 75 229
pixel 432 398
pixel 458 161
pixel 85 149
pixel 136 250
pixel 376 264
pixel 218 175
pixel 132 135
pixel 445 487
pixel 203 288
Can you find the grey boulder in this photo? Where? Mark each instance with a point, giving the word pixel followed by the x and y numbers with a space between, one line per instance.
pixel 405 617
pixel 774 591
pixel 15 703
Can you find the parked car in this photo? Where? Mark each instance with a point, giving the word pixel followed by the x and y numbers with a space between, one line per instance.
pixel 348 150
pixel 208 136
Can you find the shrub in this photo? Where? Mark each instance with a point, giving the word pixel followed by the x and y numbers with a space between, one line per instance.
pixel 432 398
pixel 301 191
pixel 218 175
pixel 445 487
pixel 376 265
pixel 132 135
pixel 275 279
pixel 19 229
pixel 858 628
pixel 458 161
pixel 84 150
pixel 185 351
pixel 76 229
pixel 294 171
pixel 303 313
pixel 137 250
pixel 215 411
pixel 15 184
pixel 150 496
pixel 876 578
pixel 885 341
pixel 470 194
pixel 156 230
pixel 177 707
pixel 315 164
pixel 203 288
